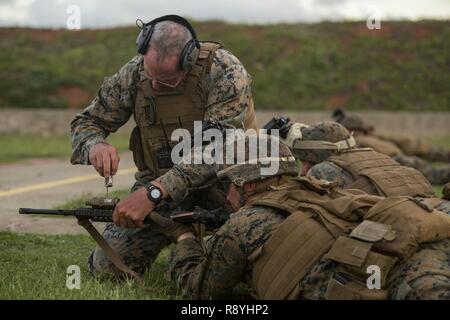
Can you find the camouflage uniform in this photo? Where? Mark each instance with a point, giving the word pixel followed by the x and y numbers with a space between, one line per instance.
pixel 327 170
pixel 229 95
pixel 213 269
pixel 408 151
pixel 228 89
pixel 413 146
pixel 213 272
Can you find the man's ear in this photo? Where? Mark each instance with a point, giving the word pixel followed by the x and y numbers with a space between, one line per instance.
pixel 249 186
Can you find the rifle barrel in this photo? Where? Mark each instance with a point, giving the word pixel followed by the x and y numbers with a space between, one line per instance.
pixel 59 212
pixel 97 215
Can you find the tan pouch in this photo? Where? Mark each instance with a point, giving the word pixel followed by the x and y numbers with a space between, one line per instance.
pixel 385 263
pixel 373 231
pixel 349 251
pixel 411 216
pixel 342 287
pixel 403 246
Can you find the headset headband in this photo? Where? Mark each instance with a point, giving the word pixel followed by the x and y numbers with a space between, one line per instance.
pixel 177 19
pixel 190 51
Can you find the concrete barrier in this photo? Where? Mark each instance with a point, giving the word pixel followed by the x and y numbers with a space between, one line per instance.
pixel 49 121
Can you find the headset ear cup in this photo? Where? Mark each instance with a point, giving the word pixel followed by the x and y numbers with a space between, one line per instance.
pixel 189 55
pixel 144 38
pixel 139 41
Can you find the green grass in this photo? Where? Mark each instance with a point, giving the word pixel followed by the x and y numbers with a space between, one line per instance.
pixel 35 267
pixel 293 66
pixel 438 190
pixel 441 140
pixel 22 147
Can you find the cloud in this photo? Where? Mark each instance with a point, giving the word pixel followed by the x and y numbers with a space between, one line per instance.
pixel 108 13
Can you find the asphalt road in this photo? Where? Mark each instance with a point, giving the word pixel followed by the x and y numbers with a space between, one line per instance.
pixel 47 183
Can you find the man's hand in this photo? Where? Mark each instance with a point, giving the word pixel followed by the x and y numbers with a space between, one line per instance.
pixel 105 159
pixel 131 212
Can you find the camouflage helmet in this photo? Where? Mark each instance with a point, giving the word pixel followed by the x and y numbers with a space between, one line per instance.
pixel 322 140
pixel 351 122
pixel 249 163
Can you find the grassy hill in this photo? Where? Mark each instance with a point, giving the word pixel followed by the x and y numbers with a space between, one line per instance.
pixel 403 66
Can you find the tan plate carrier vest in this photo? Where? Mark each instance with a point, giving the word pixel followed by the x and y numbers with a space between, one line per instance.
pixel 378 174
pixel 385 147
pixel 158 115
pixel 354 229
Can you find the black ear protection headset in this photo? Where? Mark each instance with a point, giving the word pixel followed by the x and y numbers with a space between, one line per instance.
pixel 190 52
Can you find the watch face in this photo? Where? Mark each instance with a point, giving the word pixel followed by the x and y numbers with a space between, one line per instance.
pixel 155 193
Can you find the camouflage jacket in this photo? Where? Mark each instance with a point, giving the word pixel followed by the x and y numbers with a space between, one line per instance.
pixel 215 271
pixel 228 87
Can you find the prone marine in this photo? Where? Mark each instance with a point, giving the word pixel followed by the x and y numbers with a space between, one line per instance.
pixel 303 238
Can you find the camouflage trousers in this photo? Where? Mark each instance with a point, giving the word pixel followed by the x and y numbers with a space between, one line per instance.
pixel 444 207
pixel 139 248
pixel 436 175
pixel 424 276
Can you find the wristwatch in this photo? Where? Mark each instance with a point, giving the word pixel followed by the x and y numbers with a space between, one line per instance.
pixel 154 194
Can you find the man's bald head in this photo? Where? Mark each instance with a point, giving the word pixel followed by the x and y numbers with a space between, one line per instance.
pixel 165 47
pixel 168 40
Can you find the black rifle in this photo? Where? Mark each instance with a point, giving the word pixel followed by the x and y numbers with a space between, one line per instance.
pixel 101 210
pixel 279 123
pixel 212 219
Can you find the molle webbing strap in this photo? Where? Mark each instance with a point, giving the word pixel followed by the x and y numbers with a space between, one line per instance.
pixel 112 255
pixel 357 160
pixel 292 250
pixel 387 176
pixel 207 51
pixel 158 114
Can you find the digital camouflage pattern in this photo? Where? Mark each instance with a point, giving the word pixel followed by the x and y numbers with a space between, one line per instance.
pixel 228 87
pixel 188 185
pixel 322 131
pixel 215 271
pixel 330 171
pixel 183 179
pixel 138 248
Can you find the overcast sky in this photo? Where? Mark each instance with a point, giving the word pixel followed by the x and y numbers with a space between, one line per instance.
pixel 107 13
